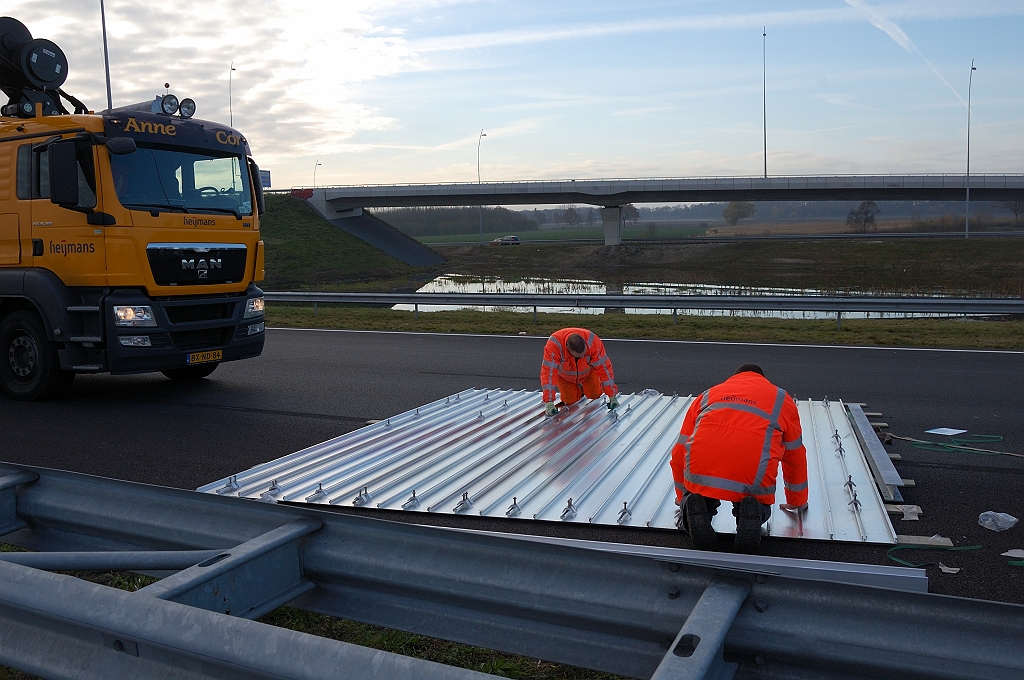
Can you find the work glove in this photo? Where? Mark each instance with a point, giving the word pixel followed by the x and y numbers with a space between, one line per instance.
pixel 613 403
pixel 549 408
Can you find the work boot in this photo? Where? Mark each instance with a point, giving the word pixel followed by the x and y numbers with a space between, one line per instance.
pixel 748 525
pixel 698 522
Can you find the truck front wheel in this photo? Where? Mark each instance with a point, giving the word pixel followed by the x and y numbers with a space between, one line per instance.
pixel 29 365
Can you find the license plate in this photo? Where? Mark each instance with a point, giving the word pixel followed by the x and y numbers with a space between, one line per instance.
pixel 205 357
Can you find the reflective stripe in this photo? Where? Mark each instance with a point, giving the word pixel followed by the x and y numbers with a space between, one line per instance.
pixel 550 387
pixel 795 444
pixel 680 487
pixel 719 405
pixel 590 339
pixel 606 383
pixel 773 424
pixel 794 487
pixel 601 362
pixel 728 485
pixel 549 364
pixel 683 439
pixel 555 340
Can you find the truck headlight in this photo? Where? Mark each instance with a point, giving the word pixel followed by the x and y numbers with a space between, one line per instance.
pixel 253 307
pixel 133 316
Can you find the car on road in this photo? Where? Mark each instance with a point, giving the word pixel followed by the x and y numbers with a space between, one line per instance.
pixel 507 241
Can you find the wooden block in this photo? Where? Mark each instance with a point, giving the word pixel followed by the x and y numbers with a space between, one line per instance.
pixel 879 426
pixel 940 541
pixel 897 509
pixel 895 456
pixel 909 482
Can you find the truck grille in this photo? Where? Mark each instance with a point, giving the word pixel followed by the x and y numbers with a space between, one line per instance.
pixel 207 338
pixel 187 313
pixel 191 264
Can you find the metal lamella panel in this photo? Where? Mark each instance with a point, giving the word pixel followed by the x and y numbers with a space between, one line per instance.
pixel 494 453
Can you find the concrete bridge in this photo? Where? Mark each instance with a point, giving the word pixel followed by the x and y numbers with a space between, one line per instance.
pixel 610 195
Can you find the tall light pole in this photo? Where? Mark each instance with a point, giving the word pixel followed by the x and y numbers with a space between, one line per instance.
pixel 231 112
pixel 106 57
pixel 318 164
pixel 764 75
pixel 478 140
pixel 967 207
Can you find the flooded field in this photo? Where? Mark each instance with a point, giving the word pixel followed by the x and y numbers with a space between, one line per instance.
pixel 455 283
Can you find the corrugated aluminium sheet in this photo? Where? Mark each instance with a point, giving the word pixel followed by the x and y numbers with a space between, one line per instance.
pixel 494 453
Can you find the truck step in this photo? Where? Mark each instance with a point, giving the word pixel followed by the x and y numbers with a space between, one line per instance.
pixel 87 368
pixel 83 308
pixel 85 338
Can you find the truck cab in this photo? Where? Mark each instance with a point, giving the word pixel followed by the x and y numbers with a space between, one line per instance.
pixel 129 243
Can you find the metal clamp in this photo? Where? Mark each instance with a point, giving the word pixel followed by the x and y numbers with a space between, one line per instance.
pixel 570 511
pixel 229 486
pixel 363 498
pixel 464 504
pixel 317 495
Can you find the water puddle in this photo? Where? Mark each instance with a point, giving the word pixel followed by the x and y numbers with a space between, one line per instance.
pixel 456 283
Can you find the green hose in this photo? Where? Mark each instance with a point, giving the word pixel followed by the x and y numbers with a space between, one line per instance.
pixel 963 443
pixel 905 563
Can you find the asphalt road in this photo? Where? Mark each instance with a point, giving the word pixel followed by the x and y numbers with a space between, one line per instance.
pixel 310 386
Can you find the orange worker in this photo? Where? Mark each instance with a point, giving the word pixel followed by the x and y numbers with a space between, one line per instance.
pixel 729 448
pixel 575 365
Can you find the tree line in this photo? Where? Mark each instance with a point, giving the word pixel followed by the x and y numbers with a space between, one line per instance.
pixel 861 216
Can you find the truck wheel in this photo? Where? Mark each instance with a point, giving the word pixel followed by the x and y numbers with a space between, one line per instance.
pixel 29 365
pixel 190 373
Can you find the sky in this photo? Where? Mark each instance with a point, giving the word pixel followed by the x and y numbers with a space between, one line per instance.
pixel 389 92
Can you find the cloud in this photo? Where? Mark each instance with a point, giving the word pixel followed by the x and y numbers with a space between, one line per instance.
pixel 295 89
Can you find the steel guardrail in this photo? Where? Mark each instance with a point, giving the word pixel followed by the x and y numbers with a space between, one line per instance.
pixel 617 613
pixel 793 303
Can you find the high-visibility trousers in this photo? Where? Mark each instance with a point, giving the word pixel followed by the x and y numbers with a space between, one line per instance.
pixel 572 392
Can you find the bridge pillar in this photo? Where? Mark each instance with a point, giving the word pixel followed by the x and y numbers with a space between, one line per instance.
pixel 611 218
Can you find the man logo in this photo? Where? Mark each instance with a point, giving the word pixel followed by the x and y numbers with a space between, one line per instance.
pixel 203 273
pixel 212 263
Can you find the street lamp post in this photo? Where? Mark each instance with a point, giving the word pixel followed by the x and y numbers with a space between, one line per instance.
pixel 231 113
pixel 967 206
pixel 318 164
pixel 106 57
pixel 478 140
pixel 764 75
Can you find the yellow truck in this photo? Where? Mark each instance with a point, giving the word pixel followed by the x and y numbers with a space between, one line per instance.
pixel 129 238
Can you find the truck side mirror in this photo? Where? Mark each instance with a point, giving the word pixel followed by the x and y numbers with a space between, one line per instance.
pixel 63 165
pixel 257 186
pixel 121 146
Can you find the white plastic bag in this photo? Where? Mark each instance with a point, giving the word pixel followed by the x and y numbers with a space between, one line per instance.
pixel 996 521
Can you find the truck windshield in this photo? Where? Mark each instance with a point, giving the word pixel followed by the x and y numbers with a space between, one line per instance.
pixel 189 181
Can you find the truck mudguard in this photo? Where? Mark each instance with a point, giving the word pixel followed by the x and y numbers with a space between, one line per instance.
pixel 46 292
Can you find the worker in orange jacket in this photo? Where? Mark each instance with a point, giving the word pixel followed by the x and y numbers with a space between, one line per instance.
pixel 575 365
pixel 729 448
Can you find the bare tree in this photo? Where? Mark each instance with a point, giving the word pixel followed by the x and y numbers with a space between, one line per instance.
pixel 1016 207
pixel 862 216
pixel 572 217
pixel 630 214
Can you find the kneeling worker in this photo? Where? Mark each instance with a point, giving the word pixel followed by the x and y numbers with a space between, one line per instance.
pixel 575 365
pixel 729 449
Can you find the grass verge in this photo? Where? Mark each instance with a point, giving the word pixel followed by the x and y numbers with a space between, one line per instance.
pixel 940 333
